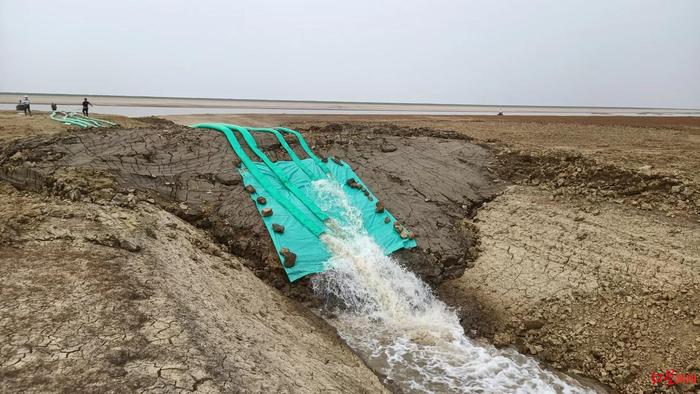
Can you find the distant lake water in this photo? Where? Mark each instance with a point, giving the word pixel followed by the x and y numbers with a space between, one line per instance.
pixel 137 111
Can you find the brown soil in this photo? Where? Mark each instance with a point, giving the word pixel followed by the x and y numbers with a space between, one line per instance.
pixel 15 125
pixel 583 256
pixel 591 262
pixel 629 142
pixel 191 172
pixel 598 289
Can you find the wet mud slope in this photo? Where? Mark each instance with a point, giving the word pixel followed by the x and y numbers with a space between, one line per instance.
pixel 428 180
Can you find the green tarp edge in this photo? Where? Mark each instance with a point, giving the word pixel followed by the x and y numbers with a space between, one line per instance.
pixel 273 180
pixel 305 147
pixel 316 229
pixel 287 148
pixel 297 193
pixel 75 119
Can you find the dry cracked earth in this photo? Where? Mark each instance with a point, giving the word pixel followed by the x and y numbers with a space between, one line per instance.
pixel 132 259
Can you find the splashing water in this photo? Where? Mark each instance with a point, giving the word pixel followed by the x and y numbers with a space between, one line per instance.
pixel 392 319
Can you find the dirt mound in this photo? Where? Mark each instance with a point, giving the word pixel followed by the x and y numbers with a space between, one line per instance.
pixel 572 175
pixel 588 266
pixel 106 298
pixel 154 121
pixel 428 181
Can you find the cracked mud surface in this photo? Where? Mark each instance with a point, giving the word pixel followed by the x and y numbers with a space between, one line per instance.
pixel 102 298
pixel 618 305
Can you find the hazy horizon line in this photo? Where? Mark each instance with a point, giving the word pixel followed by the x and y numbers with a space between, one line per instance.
pixel 341 101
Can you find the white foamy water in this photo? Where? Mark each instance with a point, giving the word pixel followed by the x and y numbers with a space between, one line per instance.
pixel 392 319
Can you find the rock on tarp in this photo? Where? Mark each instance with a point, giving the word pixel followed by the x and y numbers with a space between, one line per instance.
pixel 312 254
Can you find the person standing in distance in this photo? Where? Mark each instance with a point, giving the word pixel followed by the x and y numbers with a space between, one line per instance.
pixel 85 106
pixel 26 103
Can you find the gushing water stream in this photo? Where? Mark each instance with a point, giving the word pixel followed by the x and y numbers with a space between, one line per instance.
pixel 392 319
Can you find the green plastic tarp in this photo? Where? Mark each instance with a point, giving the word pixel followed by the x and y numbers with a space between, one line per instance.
pixel 288 190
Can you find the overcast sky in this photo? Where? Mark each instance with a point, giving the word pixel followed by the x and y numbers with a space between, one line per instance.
pixel 558 52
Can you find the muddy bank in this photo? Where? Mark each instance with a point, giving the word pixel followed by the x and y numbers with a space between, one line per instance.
pixel 572 176
pixel 584 264
pixel 104 298
pixel 590 267
pixel 113 209
pixel 428 180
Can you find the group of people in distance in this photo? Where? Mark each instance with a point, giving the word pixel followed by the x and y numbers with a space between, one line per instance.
pixel 26 105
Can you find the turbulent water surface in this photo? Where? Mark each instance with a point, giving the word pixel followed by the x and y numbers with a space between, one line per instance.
pixel 393 320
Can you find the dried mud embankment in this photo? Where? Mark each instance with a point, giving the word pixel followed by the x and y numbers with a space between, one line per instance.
pixel 133 258
pixel 575 261
pixel 428 181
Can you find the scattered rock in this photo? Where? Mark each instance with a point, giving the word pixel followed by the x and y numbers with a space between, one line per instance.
pixel 411 235
pixel 353 184
pixel 250 189
pixel 387 219
pixel 379 207
pixel 261 200
pixel 213 250
pixel 534 349
pixel 278 228
pixel 114 242
pixel 676 189
pixel 502 339
pixel 267 212
pixel 129 245
pixel 290 258
pixel 533 324
pixel 386 148
pixel 404 234
pixel 228 178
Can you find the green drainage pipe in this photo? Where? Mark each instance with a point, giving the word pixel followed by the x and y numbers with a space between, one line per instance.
pixel 280 175
pixel 293 225
pixel 95 121
pixel 305 147
pixel 230 132
pixel 75 119
pixel 287 148
pixel 68 120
